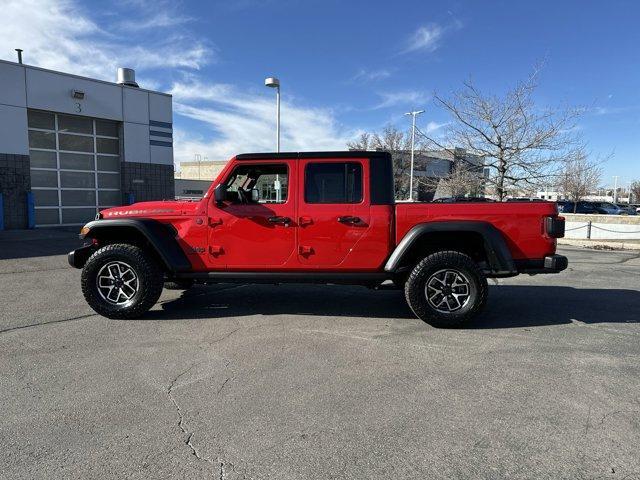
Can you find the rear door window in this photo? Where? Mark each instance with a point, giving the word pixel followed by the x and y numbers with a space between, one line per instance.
pixel 333 182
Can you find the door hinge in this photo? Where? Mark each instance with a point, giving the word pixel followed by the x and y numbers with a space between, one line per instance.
pixel 216 250
pixel 215 221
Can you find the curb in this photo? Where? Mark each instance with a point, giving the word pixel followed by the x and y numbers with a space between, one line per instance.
pixel 600 244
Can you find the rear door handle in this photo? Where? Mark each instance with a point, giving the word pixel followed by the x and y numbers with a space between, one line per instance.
pixel 349 220
pixel 279 220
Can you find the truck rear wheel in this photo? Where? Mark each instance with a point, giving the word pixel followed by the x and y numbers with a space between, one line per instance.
pixel 446 289
pixel 121 281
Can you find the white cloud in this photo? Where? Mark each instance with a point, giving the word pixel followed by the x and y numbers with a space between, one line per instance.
pixel 371 75
pixel 244 122
pixel 434 126
pixel 162 19
pixel 405 97
pixel 615 110
pixel 426 38
pixel 59 34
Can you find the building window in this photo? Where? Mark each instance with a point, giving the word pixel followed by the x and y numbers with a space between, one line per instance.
pixel 75 167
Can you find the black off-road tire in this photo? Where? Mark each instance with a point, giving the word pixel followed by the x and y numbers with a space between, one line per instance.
pixel 426 269
pixel 150 280
pixel 185 284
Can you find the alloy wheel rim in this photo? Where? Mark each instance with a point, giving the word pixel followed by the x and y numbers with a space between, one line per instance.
pixel 117 283
pixel 448 290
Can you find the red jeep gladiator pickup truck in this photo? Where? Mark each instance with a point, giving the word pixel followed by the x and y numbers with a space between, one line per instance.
pixel 325 217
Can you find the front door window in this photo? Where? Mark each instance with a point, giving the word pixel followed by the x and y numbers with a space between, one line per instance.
pixel 258 184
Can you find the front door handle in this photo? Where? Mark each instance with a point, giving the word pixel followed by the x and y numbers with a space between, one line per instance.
pixel 349 220
pixel 278 220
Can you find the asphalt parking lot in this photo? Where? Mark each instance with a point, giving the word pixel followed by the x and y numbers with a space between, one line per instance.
pixel 290 382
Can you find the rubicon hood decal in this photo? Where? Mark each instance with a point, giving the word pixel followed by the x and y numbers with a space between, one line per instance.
pixel 150 209
pixel 118 213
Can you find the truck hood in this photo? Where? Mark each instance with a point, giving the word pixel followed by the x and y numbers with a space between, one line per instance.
pixel 152 209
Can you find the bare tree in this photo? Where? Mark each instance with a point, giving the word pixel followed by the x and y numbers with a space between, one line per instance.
pixel 634 191
pixel 579 176
pixel 523 145
pixel 395 142
pixel 462 180
pixel 363 142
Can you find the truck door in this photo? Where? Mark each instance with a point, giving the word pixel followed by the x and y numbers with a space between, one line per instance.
pixel 333 209
pixel 253 228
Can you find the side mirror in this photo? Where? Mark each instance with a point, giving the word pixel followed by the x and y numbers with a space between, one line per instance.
pixel 220 193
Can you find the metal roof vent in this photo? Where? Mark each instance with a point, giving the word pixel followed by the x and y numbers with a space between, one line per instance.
pixel 127 76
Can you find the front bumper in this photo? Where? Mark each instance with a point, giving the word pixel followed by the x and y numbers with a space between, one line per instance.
pixel 550 264
pixel 77 258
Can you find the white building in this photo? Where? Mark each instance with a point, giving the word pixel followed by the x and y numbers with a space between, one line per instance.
pixel 75 145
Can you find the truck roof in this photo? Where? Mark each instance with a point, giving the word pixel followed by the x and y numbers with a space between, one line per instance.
pixel 305 155
pixel 380 168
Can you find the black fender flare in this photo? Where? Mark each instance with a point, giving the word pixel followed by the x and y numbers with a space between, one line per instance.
pixel 160 236
pixel 498 255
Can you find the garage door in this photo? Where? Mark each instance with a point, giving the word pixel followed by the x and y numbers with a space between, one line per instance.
pixel 75 167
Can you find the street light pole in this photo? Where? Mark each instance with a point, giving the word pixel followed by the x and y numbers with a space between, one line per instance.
pixel 273 82
pixel 615 189
pixel 413 114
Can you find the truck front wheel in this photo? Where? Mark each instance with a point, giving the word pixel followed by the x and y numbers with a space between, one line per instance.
pixel 446 289
pixel 121 281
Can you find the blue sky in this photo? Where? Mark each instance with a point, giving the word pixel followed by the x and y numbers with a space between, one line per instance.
pixel 345 67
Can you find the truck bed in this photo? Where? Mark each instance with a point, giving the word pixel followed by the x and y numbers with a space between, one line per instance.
pixel 522 224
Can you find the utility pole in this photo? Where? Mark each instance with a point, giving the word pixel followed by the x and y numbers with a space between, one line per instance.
pixel 413 114
pixel 615 189
pixel 198 157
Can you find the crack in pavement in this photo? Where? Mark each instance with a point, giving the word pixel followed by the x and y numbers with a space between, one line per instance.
pixel 218 465
pixel 222 386
pixel 189 435
pixel 21 327
pixel 223 337
pixel 616 412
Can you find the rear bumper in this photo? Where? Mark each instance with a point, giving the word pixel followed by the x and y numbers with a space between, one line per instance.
pixel 550 264
pixel 77 258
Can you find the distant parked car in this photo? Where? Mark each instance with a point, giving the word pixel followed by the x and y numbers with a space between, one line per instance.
pixel 565 206
pixel 524 199
pixel 608 208
pixel 627 209
pixel 462 199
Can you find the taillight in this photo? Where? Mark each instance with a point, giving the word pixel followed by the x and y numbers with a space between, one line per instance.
pixel 554 226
